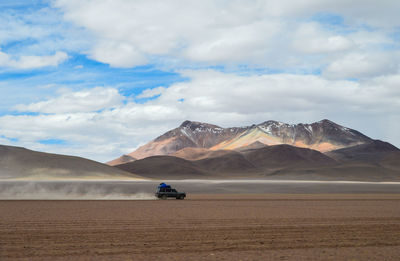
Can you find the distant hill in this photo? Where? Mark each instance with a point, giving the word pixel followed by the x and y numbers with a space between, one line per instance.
pixel 121 160
pixel 372 152
pixel 276 162
pixel 21 163
pixel 287 156
pixel 199 153
pixel 165 167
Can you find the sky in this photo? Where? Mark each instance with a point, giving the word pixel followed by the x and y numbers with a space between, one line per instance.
pixel 98 78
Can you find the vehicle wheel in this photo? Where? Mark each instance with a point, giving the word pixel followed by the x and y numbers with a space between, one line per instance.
pixel 164 197
pixel 181 197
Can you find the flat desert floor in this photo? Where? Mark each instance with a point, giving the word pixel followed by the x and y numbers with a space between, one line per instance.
pixel 205 227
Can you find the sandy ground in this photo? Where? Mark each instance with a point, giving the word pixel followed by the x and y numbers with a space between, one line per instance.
pixel 205 227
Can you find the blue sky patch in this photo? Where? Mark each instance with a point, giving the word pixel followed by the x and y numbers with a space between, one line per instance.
pixel 78 73
pixel 9 138
pixel 328 19
pixel 53 142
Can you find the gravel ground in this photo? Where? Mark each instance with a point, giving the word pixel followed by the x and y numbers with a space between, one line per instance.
pixel 205 227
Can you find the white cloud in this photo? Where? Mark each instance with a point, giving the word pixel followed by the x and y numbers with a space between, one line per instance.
pixel 129 33
pixel 256 33
pixel 150 93
pixel 82 101
pixel 210 96
pixel 358 65
pixel 32 61
pixel 311 38
pixel 19 27
pixel 34 35
pixel 249 42
pixel 365 39
pixel 117 54
pixel 356 12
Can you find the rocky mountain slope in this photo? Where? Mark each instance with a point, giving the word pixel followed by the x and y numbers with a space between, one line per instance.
pixel 323 136
pixel 187 135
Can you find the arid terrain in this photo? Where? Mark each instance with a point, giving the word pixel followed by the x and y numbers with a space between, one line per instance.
pixel 322 150
pixel 205 227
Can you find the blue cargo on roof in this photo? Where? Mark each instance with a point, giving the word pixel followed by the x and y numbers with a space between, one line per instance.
pixel 163 185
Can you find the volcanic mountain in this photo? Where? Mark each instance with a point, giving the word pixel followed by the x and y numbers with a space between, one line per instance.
pixel 323 136
pixel 322 150
pixel 21 163
pixel 188 135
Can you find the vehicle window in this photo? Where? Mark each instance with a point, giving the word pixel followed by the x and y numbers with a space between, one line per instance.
pixel 168 190
pixel 162 189
pixel 174 190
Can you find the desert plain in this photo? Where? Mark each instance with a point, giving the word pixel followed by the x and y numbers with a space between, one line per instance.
pixel 327 224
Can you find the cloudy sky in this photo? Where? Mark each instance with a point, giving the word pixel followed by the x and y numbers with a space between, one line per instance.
pixel 97 78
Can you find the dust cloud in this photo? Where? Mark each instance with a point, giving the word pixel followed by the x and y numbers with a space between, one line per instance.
pixel 144 190
pixel 24 190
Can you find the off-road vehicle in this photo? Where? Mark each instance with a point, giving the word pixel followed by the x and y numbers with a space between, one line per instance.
pixel 165 191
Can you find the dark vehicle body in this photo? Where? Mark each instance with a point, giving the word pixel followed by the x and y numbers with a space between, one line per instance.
pixel 165 192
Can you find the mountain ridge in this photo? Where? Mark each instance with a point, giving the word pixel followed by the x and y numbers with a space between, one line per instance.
pixel 321 150
pixel 380 162
pixel 323 136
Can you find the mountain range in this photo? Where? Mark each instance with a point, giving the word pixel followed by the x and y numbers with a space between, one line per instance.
pixel 323 136
pixel 321 150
